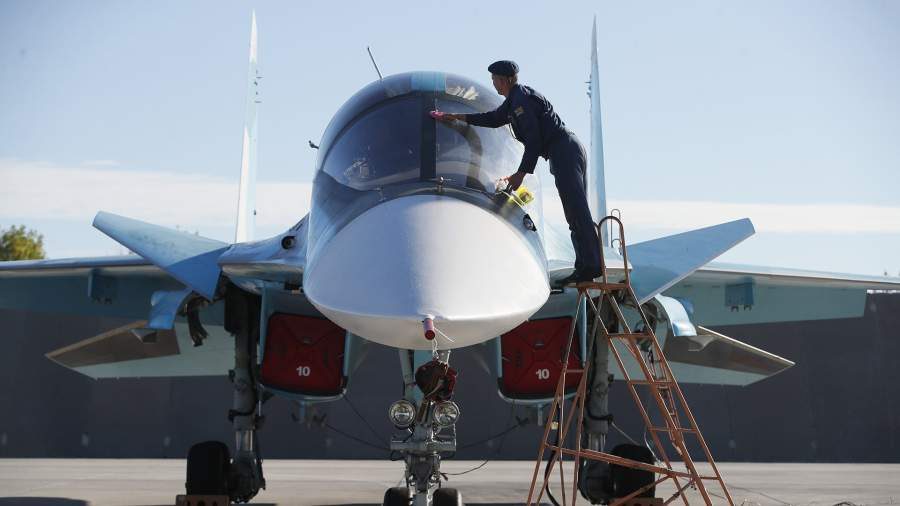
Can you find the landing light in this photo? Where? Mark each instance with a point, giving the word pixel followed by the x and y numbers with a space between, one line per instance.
pixel 446 413
pixel 402 413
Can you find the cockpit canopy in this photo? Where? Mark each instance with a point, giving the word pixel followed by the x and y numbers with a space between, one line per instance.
pixel 383 135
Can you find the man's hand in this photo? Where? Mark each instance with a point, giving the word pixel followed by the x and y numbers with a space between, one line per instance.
pixel 446 116
pixel 514 181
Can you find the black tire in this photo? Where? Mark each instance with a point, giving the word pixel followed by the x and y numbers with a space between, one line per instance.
pixel 447 497
pixel 594 481
pixel 207 469
pixel 626 480
pixel 397 496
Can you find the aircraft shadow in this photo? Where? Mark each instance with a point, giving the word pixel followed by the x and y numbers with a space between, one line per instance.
pixel 41 501
pixel 170 504
pixel 467 504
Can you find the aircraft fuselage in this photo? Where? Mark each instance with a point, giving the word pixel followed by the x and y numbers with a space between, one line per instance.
pixel 406 224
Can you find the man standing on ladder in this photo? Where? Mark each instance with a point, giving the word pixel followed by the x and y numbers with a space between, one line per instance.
pixel 539 128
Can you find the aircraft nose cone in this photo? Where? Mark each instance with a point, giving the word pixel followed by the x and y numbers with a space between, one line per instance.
pixel 427 255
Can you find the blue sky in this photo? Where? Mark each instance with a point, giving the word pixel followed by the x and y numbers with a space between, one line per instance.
pixel 785 112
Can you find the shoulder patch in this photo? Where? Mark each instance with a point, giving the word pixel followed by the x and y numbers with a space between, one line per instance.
pixel 519 110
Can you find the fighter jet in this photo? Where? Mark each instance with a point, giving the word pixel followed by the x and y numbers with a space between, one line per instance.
pixel 408 243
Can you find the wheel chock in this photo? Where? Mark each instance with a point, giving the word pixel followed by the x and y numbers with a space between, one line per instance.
pixel 202 500
pixel 642 501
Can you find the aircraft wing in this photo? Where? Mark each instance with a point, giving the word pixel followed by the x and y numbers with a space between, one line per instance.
pixel 146 296
pixel 733 294
pixel 677 274
pixel 119 286
pixel 173 274
pixel 720 294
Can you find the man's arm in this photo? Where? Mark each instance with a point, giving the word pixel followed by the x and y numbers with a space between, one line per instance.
pixel 491 119
pixel 529 134
pixel 526 114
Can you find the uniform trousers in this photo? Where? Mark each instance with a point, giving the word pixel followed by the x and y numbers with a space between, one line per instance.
pixel 567 164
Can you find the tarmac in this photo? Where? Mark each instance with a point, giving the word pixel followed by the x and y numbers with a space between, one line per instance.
pixel 142 482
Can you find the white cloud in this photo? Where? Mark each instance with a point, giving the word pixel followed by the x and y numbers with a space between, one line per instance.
pixel 34 191
pixel 684 215
pixel 101 163
pixel 777 218
pixel 40 191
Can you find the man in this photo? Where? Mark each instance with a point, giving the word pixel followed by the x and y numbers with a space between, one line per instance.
pixel 543 133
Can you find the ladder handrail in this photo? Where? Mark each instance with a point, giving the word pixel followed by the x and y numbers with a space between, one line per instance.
pixel 599 229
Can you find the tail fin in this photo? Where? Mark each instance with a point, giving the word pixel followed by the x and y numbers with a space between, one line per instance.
pixel 246 212
pixel 596 184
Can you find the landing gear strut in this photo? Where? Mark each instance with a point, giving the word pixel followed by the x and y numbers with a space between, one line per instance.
pixel 426 418
pixel 211 470
pixel 595 483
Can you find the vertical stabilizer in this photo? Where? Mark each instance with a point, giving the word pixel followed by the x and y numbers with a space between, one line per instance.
pixel 596 183
pixel 246 212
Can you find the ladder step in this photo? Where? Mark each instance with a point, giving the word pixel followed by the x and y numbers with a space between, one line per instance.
pixel 678 429
pixel 599 285
pixel 629 335
pixel 663 383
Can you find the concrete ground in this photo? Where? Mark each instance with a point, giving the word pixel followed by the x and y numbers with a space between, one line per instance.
pixel 77 482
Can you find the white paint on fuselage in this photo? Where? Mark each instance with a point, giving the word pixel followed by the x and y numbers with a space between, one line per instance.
pixel 427 255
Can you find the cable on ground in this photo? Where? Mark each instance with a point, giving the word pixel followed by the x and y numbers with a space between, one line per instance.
pixel 520 422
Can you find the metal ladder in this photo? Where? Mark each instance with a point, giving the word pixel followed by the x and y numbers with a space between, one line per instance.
pixel 658 380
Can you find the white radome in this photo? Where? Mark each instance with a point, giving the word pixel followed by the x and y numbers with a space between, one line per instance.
pixel 427 256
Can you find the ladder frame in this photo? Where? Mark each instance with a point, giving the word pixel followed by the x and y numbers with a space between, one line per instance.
pixel 659 379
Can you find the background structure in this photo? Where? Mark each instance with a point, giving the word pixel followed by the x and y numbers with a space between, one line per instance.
pixel 840 403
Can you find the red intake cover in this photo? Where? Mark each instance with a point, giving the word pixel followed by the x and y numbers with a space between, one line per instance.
pixel 303 355
pixel 532 359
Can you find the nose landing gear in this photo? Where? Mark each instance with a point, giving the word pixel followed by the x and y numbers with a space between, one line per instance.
pixel 427 422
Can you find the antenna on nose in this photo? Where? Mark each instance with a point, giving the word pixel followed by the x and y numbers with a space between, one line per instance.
pixel 380 77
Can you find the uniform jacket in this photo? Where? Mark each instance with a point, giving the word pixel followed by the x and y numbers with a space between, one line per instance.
pixel 533 121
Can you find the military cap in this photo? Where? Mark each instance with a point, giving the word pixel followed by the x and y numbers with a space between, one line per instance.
pixel 504 68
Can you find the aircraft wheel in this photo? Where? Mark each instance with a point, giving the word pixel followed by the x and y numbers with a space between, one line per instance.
pixel 595 483
pixel 447 497
pixel 207 469
pixel 397 496
pixel 626 480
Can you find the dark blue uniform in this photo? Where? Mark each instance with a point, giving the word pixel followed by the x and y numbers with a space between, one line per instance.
pixel 543 133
